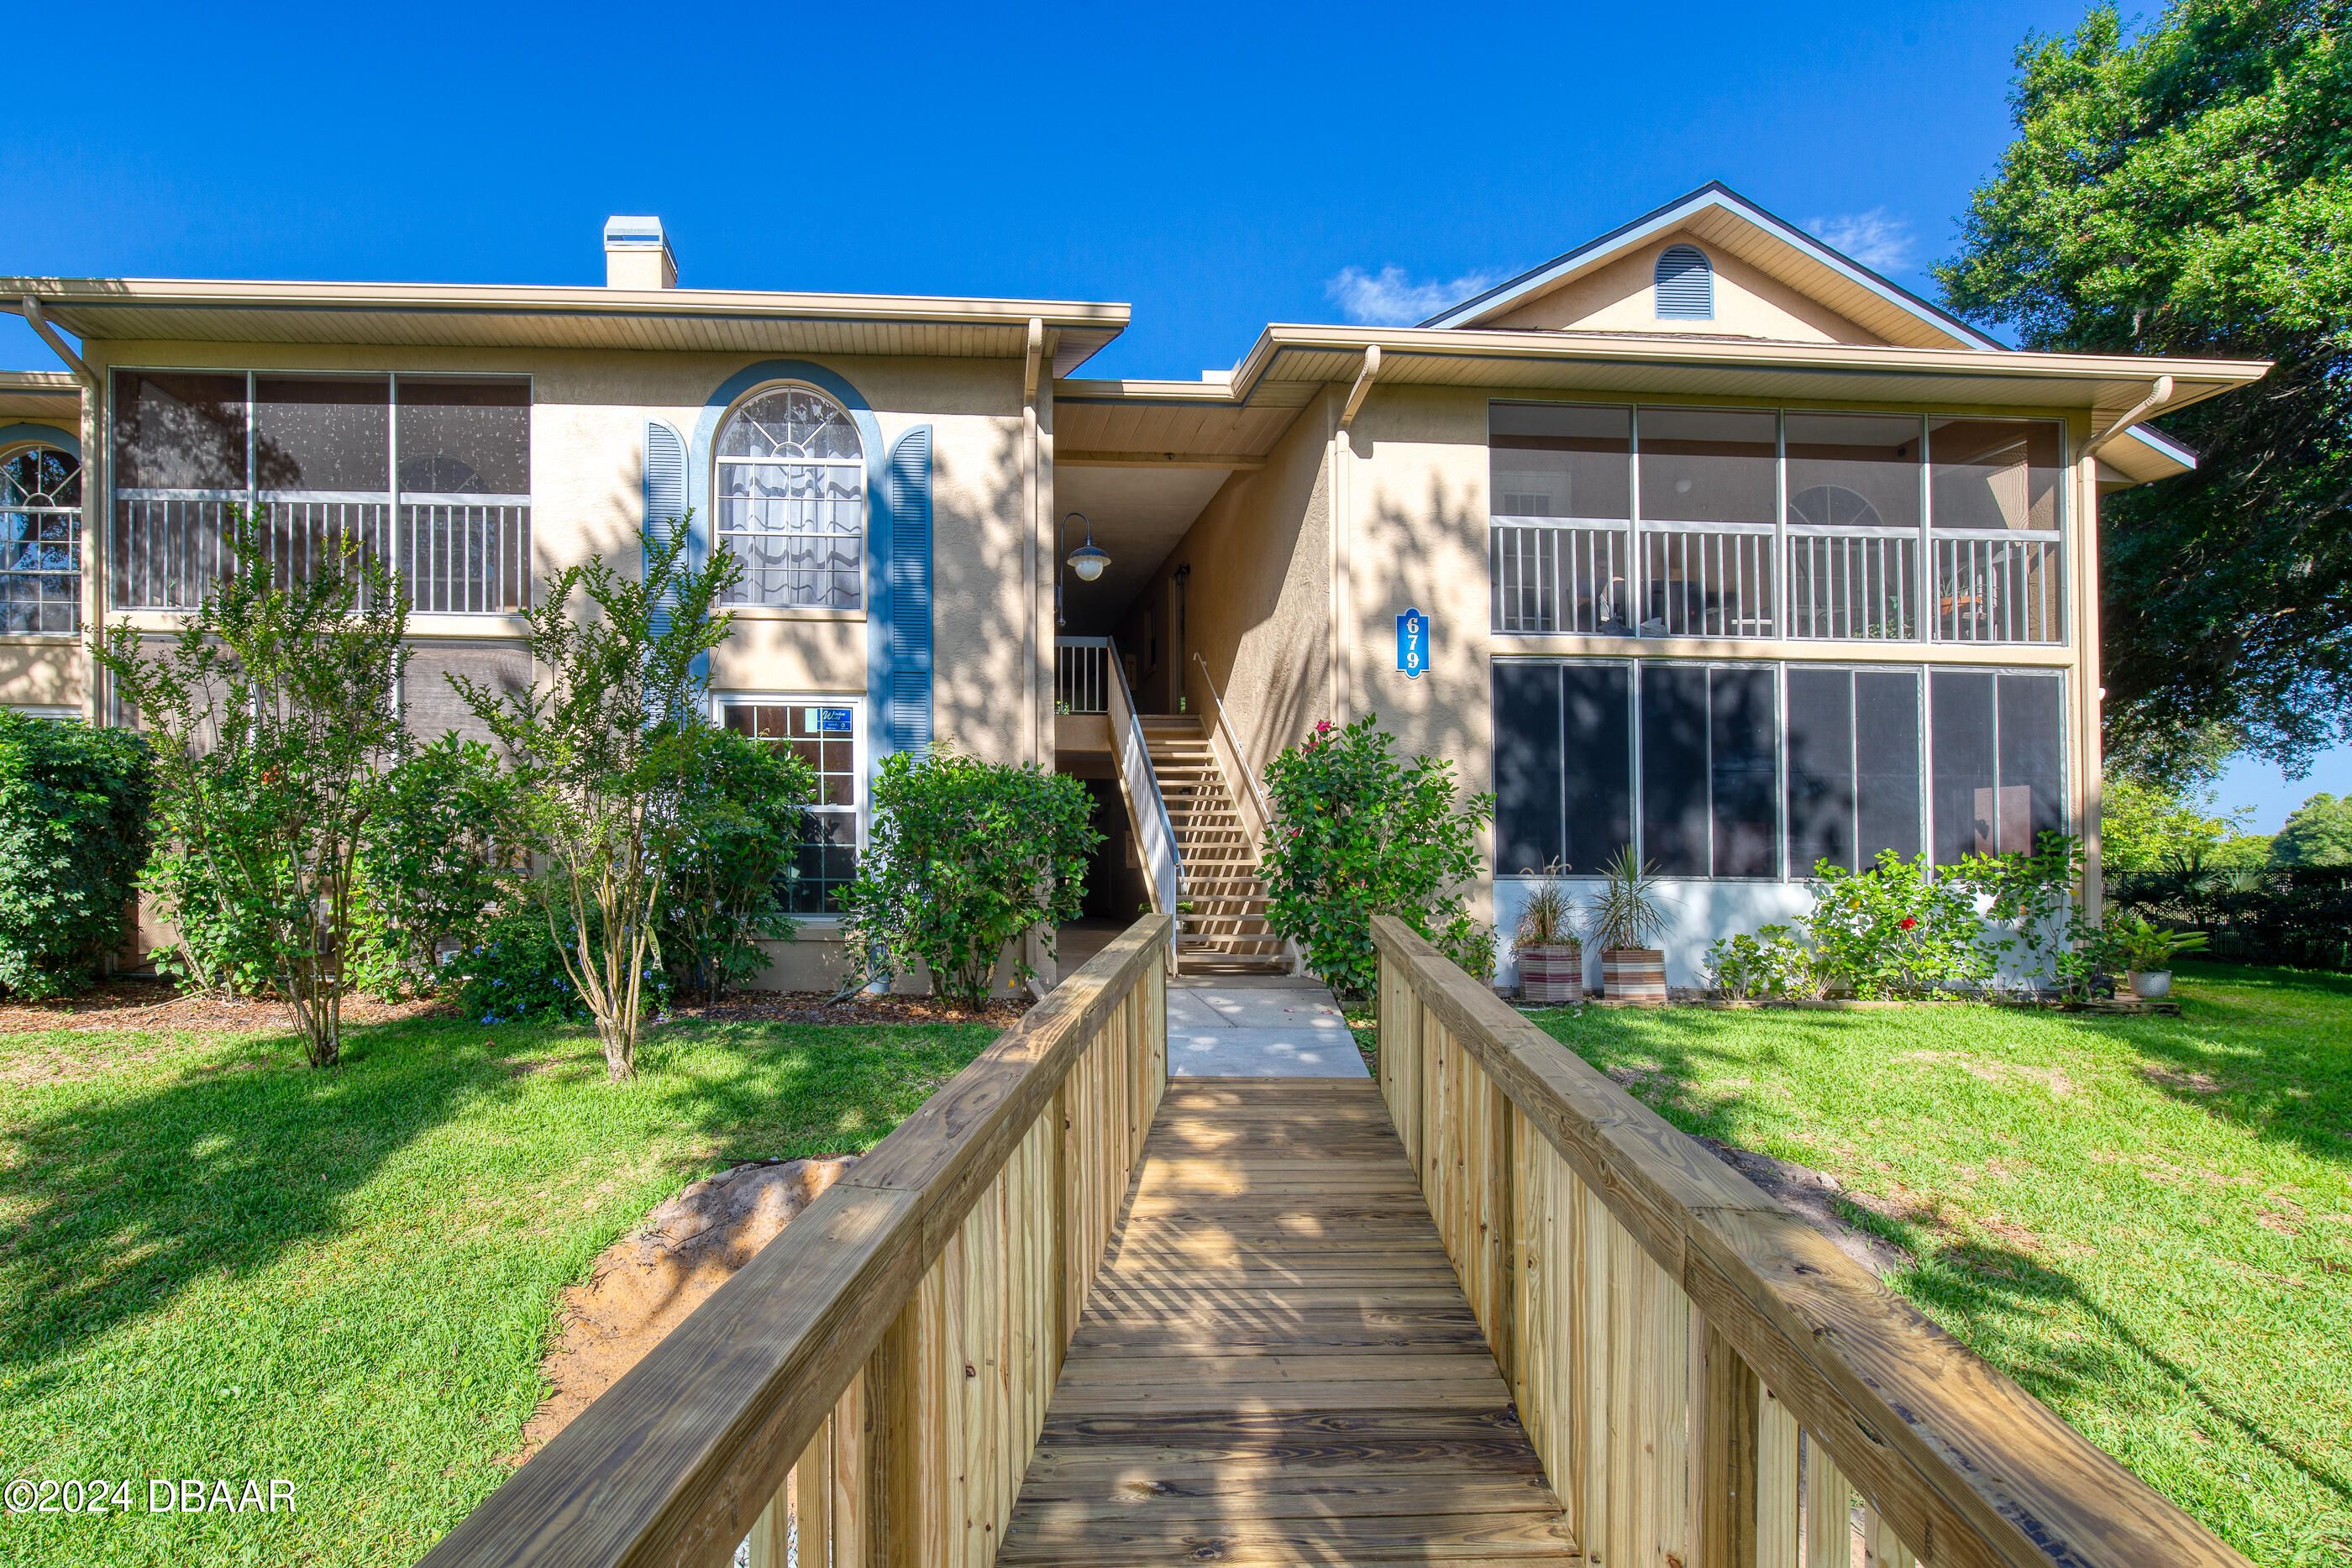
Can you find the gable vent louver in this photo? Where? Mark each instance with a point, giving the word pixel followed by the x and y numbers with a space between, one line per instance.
pixel 1686 285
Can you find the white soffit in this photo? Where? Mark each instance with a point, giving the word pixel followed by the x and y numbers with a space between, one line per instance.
pixel 50 395
pixel 485 315
pixel 1721 218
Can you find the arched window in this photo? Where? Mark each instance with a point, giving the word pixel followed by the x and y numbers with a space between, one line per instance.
pixel 792 500
pixel 40 540
pixel 1686 285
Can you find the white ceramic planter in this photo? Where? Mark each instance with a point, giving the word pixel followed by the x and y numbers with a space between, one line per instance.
pixel 2148 985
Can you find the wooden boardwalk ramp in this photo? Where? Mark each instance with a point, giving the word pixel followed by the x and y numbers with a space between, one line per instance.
pixel 1276 1363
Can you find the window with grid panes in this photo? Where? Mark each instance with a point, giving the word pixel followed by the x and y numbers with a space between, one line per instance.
pixel 791 501
pixel 824 736
pixel 40 541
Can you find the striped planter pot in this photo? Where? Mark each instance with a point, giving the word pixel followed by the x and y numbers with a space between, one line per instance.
pixel 1552 972
pixel 1635 975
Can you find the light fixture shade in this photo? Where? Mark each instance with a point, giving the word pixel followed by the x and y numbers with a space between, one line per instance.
pixel 1088 561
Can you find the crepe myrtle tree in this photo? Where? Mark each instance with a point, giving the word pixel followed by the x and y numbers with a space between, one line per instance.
pixel 272 715
pixel 601 752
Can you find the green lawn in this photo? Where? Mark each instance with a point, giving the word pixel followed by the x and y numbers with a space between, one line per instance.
pixel 217 1263
pixel 2146 1221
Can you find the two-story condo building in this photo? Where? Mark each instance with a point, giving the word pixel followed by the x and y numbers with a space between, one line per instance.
pixel 1700 537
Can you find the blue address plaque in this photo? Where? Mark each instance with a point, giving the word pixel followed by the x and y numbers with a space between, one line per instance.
pixel 1413 642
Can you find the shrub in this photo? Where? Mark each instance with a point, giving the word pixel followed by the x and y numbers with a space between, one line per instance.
pixel 1359 831
pixel 2032 910
pixel 599 753
pixel 743 806
pixel 225 941
pixel 2300 915
pixel 1896 929
pixel 428 868
pixel 1774 962
pixel 73 833
pixel 516 972
pixel 268 706
pixel 962 857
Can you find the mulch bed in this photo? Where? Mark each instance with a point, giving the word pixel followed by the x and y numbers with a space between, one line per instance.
pixel 142 1001
pixel 147 1002
pixel 818 1007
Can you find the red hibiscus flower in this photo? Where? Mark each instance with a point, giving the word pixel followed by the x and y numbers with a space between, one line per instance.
pixel 1906 922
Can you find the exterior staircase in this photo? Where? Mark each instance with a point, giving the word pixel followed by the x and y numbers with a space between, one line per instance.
pixel 1223 928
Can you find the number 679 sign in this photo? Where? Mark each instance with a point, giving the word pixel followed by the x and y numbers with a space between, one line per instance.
pixel 1412 643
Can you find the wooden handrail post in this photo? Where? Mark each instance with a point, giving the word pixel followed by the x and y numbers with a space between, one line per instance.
pixel 1726 1406
pixel 868 1390
pixel 1682 1347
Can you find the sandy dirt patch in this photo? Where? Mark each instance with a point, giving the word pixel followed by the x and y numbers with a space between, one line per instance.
pixel 646 1283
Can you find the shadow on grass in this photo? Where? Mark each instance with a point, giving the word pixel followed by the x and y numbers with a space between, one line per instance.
pixel 1992 1287
pixel 126 1197
pixel 2272 1053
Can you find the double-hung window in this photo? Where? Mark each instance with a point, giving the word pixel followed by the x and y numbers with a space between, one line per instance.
pixel 428 474
pixel 40 540
pixel 824 733
pixel 791 501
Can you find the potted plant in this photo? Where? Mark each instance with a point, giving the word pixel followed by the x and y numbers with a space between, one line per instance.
pixel 2147 952
pixel 1625 919
pixel 1552 961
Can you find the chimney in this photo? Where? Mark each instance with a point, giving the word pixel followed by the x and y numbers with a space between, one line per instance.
pixel 637 254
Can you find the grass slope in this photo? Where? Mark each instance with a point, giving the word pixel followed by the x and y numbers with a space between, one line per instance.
pixel 2146 1221
pixel 216 1263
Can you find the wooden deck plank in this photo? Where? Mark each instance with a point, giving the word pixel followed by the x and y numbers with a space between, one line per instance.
pixel 1277 1363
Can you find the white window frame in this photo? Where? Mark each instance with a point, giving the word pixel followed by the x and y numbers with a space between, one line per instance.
pixel 719 533
pixel 861 752
pixel 80 550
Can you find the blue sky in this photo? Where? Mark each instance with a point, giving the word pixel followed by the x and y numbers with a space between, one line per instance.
pixel 1217 166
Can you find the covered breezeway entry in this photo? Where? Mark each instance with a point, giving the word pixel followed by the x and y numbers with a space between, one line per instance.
pixel 1485 1308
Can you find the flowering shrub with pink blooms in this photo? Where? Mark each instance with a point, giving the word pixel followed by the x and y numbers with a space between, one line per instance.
pixel 1359 831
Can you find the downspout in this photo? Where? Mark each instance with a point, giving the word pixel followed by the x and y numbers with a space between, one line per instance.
pixel 1362 389
pixel 30 308
pixel 94 486
pixel 1032 715
pixel 1030 719
pixel 2157 396
pixel 2089 668
pixel 1342 529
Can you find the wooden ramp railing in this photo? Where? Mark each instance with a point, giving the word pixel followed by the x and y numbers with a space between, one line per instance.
pixel 1683 1352
pixel 868 1388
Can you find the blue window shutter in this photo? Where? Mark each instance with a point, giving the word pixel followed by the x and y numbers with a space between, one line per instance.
pixel 1686 285
pixel 907 692
pixel 664 494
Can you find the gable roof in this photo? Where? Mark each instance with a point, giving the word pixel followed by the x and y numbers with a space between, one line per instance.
pixel 1723 218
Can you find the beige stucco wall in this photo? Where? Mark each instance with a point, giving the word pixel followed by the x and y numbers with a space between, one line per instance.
pixel 588 420
pixel 44 672
pixel 1258 602
pixel 1749 303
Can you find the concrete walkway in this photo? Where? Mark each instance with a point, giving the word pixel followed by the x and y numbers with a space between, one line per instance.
pixel 1249 1026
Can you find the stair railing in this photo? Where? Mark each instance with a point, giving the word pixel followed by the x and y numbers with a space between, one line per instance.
pixel 1155 834
pixel 1235 763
